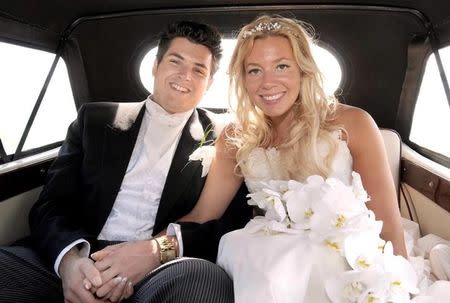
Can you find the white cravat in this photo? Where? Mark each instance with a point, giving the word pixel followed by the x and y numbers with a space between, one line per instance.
pixel 134 212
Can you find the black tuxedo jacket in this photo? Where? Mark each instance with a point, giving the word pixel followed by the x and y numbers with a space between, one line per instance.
pixel 83 182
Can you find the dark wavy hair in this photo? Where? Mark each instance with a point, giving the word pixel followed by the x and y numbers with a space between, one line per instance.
pixel 195 32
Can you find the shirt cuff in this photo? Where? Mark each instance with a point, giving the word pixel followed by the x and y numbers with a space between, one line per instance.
pixel 83 252
pixel 174 229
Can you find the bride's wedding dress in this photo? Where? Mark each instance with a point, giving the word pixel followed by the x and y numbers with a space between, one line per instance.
pixel 291 255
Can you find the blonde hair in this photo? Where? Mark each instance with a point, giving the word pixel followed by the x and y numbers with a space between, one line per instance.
pixel 313 110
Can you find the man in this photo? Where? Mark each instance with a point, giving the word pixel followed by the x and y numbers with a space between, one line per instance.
pixel 123 174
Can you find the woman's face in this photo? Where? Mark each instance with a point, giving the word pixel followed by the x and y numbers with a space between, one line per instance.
pixel 272 76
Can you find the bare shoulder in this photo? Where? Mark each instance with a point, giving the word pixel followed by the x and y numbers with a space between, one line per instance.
pixel 225 141
pixel 352 117
pixel 228 133
pixel 358 124
pixel 230 129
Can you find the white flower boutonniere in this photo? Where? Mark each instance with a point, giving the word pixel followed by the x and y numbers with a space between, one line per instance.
pixel 205 154
pixel 206 151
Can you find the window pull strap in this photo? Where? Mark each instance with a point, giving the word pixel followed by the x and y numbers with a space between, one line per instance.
pixel 434 45
pixel 3 156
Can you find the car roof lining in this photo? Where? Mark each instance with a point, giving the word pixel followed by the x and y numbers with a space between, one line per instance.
pixel 44 27
pixel 104 44
pixel 354 49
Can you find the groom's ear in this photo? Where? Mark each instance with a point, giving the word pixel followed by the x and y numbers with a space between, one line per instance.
pixel 155 67
pixel 210 81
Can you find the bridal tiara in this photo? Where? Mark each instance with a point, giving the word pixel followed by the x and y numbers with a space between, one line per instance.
pixel 262 27
pixel 267 27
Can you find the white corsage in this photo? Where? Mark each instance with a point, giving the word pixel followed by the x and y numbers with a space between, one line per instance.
pixel 205 154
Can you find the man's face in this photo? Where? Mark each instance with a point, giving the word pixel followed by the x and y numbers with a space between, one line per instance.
pixel 183 76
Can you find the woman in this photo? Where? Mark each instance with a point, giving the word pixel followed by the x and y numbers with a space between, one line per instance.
pixel 289 130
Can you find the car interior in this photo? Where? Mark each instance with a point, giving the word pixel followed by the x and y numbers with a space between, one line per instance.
pixel 384 50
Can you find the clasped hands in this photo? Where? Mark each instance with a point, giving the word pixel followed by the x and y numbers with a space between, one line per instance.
pixel 110 275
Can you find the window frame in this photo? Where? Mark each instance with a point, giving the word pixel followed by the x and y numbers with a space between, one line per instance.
pixel 19 153
pixel 430 154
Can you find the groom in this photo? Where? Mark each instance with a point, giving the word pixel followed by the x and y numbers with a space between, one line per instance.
pixel 123 175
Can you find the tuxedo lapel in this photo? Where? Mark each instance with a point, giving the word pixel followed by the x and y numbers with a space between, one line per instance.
pixel 117 149
pixel 181 173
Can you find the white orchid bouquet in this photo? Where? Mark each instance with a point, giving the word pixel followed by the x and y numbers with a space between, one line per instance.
pixel 334 214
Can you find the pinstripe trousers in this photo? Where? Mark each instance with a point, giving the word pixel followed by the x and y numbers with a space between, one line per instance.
pixel 24 279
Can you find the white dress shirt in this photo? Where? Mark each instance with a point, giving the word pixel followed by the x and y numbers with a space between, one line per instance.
pixel 134 212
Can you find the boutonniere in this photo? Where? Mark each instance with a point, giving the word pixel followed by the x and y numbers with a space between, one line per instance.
pixel 205 151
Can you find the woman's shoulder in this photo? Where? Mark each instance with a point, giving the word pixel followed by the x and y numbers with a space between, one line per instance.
pixel 347 114
pixel 358 124
pixel 229 133
pixel 227 140
pixel 353 118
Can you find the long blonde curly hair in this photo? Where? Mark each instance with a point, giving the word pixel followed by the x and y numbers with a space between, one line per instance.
pixel 314 112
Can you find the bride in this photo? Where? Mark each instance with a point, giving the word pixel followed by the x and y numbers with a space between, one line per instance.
pixel 303 157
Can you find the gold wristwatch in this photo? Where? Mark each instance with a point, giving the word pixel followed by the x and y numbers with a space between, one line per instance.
pixel 166 249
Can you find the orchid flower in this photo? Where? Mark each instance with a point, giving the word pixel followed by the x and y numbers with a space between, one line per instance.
pixel 300 200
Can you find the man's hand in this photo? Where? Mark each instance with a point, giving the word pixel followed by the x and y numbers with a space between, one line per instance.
pixel 78 275
pixel 130 261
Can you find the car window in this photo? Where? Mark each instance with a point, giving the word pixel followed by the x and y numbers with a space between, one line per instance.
pixel 217 95
pixel 22 74
pixel 56 112
pixel 431 120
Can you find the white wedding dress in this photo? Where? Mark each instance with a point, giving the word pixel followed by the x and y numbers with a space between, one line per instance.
pixel 269 263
